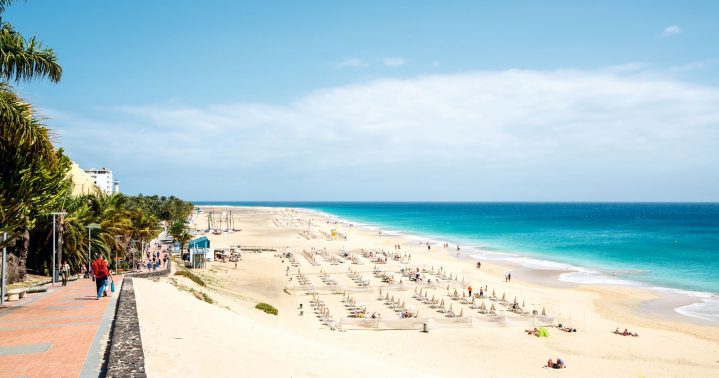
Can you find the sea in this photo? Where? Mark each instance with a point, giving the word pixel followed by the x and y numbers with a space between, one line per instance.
pixel 671 247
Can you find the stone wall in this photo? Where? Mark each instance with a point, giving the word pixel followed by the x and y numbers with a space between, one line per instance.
pixel 157 273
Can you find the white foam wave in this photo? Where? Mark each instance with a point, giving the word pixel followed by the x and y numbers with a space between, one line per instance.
pixel 707 309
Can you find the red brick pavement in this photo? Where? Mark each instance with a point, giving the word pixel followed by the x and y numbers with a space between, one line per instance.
pixel 67 318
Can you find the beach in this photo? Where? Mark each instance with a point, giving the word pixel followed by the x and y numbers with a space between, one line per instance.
pixel 324 278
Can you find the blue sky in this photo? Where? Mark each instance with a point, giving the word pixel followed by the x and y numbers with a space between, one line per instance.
pixel 413 100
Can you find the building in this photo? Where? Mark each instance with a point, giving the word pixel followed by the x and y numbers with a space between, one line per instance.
pixel 82 183
pixel 103 179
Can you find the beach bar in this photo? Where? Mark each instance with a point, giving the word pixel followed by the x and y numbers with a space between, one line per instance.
pixel 200 252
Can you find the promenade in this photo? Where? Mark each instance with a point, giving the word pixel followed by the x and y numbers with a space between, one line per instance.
pixel 60 333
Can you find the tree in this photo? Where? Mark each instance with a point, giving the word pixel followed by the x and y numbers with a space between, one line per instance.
pixel 32 173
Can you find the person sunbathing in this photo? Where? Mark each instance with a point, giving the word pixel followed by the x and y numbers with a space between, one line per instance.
pixel 560 364
pixel 532 332
pixel 567 329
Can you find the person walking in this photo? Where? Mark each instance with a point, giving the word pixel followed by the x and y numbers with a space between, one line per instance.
pixel 65 271
pixel 99 274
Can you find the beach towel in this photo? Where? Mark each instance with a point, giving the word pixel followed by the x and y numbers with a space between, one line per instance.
pixel 543 332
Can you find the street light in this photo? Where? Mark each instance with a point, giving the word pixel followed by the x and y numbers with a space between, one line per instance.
pixel 90 227
pixel 133 241
pixel 117 240
pixel 2 279
pixel 54 241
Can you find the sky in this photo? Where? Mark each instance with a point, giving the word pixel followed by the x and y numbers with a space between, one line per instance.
pixel 386 101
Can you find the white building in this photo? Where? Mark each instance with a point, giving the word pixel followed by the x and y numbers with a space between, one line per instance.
pixel 103 180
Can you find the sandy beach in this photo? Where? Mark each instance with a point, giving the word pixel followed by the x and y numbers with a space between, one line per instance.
pixel 326 285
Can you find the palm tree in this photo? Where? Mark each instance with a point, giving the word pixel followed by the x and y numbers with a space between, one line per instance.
pixel 32 173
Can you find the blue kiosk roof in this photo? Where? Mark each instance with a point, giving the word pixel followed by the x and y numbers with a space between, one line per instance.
pixel 201 242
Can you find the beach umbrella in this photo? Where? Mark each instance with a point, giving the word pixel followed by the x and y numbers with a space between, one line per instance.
pixel 493 293
pixel 447 287
pixel 461 312
pixel 515 300
pixel 450 307
pixel 504 297
pixel 442 303
pixel 473 300
pixel 455 292
pixel 483 307
pixel 544 312
pixel 432 297
pixel 380 292
pixel 403 304
pixel 522 303
pixel 386 296
pixel 393 298
pixel 492 309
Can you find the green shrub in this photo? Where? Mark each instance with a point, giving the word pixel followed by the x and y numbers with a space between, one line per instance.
pixel 268 308
pixel 207 298
pixel 191 276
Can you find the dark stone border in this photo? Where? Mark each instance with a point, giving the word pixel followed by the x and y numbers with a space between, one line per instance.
pixel 157 273
pixel 126 357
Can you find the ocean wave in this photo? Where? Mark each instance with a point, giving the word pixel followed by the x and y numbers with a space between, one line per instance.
pixel 706 309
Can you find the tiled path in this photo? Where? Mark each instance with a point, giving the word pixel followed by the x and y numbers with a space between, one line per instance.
pixel 60 333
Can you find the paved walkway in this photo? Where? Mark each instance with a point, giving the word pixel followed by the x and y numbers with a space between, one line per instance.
pixel 60 333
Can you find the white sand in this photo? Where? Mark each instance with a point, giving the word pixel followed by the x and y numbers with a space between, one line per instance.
pixel 183 336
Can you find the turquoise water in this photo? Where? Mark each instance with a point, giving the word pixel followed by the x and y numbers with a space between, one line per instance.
pixel 672 245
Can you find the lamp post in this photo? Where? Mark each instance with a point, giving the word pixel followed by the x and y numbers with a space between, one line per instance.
pixel 54 241
pixel 117 240
pixel 90 227
pixel 2 279
pixel 133 241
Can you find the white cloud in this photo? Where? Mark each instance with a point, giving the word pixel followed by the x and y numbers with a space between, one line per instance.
pixel 631 67
pixel 351 63
pixel 696 65
pixel 394 62
pixel 514 134
pixel 671 31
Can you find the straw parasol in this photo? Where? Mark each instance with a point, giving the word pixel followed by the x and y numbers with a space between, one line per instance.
pixel 455 293
pixel 504 297
pixel 386 296
pixel 493 293
pixel 483 306
pixel 515 300
pixel 432 297
pixel 522 303
pixel 450 307
pixel 448 287
pixel 442 303
pixel 461 312
pixel 544 312
pixel 492 309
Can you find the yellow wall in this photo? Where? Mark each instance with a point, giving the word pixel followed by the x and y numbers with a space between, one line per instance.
pixel 82 182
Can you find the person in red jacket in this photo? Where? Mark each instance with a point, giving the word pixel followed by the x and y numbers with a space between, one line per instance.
pixel 100 274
